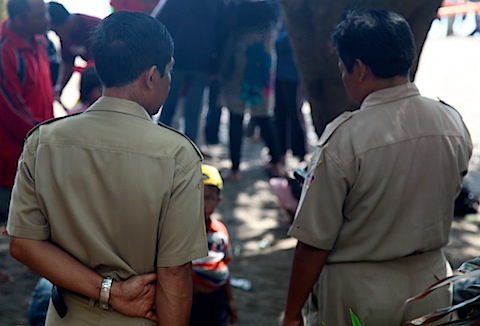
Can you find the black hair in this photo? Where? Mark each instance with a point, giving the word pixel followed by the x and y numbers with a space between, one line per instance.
pixel 88 82
pixel 126 44
pixel 58 13
pixel 17 8
pixel 381 39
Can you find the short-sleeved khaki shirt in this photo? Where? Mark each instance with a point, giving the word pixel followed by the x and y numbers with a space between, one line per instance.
pixel 383 180
pixel 114 189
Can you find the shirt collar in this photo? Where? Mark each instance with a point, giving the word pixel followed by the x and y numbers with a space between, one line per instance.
pixel 17 41
pixel 390 95
pixel 114 104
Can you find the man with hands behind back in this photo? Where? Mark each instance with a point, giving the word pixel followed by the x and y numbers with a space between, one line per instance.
pixel 107 204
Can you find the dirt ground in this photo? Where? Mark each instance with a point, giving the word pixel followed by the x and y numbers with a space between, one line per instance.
pixel 448 69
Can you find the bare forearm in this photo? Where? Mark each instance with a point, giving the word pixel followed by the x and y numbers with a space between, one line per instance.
pixel 174 295
pixel 307 265
pixel 66 71
pixel 48 260
pixel 133 297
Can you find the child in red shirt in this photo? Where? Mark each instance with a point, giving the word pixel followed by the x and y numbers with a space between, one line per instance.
pixel 213 302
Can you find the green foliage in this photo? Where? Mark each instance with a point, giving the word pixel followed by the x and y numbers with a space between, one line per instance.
pixel 469 270
pixel 355 320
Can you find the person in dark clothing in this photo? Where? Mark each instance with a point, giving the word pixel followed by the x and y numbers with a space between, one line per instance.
pixel 247 71
pixel 74 31
pixel 192 24
pixel 288 101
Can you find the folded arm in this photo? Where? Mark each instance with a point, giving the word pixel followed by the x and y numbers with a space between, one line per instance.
pixel 133 297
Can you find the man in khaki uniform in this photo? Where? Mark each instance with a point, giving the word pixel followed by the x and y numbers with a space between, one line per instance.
pixel 377 204
pixel 105 198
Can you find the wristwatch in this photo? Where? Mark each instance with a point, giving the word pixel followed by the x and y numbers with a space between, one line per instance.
pixel 105 293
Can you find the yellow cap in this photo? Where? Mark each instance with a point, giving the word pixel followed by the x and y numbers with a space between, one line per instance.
pixel 211 176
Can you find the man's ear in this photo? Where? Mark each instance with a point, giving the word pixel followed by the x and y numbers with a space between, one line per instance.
pixel 362 71
pixel 151 76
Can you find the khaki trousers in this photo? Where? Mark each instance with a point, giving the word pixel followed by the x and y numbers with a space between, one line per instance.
pixel 376 291
pixel 82 312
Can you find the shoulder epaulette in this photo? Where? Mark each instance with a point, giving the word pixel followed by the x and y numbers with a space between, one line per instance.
pixel 458 116
pixel 332 126
pixel 49 121
pixel 184 136
pixel 445 103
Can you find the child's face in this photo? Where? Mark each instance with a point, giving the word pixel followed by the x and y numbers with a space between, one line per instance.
pixel 211 198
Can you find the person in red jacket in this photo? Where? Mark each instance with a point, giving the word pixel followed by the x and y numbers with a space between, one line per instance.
pixel 26 96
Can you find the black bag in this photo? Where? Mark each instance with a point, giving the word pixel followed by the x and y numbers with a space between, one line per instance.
pixel 466 202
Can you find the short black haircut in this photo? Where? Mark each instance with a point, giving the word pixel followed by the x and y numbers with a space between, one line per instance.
pixel 58 13
pixel 17 8
pixel 381 39
pixel 126 44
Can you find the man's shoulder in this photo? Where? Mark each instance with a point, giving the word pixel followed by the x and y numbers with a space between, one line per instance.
pixel 4 30
pixel 8 48
pixel 8 41
pixel 15 50
pixel 333 126
pixel 182 139
pixel 49 122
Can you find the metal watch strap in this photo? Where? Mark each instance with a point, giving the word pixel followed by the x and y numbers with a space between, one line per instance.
pixel 105 293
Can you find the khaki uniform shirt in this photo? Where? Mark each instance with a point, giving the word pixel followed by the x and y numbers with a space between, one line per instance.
pixel 379 196
pixel 112 188
pixel 383 180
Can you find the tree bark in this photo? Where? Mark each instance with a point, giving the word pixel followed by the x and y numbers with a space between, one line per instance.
pixel 310 24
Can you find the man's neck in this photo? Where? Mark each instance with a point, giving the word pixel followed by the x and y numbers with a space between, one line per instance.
pixel 378 84
pixel 393 81
pixel 21 33
pixel 120 92
pixel 127 93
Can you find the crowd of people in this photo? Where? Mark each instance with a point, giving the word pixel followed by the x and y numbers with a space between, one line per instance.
pixel 237 50
pixel 96 200
pixel 228 47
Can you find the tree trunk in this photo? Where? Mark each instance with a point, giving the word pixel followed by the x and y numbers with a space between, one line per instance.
pixel 310 24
